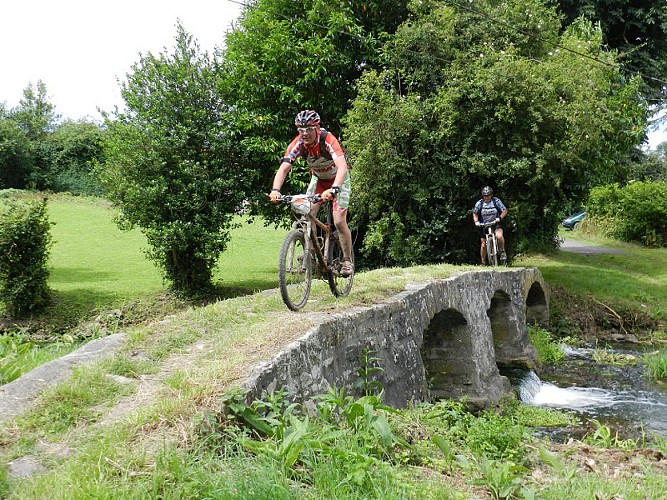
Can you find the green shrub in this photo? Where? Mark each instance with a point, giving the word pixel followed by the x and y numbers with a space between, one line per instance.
pixel 548 351
pixel 25 241
pixel 633 212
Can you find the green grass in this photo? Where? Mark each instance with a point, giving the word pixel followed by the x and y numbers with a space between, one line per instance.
pixel 96 265
pixel 635 280
pixel 175 445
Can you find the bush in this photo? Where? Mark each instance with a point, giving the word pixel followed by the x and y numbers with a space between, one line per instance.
pixel 25 240
pixel 633 212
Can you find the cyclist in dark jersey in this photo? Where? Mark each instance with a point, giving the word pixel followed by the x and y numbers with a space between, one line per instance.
pixel 490 209
pixel 330 175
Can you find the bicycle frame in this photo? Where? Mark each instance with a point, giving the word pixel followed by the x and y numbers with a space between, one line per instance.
pixel 492 250
pixel 305 223
pixel 310 239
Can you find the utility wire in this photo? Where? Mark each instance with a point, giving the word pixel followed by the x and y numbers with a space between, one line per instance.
pixel 620 67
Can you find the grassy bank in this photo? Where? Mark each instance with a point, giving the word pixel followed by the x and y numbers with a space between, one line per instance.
pixel 146 424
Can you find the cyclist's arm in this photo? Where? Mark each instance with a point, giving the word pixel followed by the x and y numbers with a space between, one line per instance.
pixel 281 175
pixel 503 214
pixel 341 164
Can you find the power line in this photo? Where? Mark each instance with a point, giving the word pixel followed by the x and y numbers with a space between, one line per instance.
pixel 619 67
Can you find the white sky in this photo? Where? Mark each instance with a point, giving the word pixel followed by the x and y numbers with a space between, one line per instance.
pixel 80 48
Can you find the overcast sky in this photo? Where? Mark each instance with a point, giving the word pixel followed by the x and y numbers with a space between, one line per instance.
pixel 79 48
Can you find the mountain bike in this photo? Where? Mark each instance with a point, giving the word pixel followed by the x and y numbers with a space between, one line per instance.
pixel 493 257
pixel 311 249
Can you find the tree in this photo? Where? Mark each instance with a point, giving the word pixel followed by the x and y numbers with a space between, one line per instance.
pixel 284 56
pixel 15 155
pixel 170 165
pixel 36 116
pixel 473 96
pixel 636 28
pixel 76 147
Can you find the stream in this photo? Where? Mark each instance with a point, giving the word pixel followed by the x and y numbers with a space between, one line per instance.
pixel 619 397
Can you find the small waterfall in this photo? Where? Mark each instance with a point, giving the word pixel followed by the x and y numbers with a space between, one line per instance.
pixel 529 386
pixel 532 390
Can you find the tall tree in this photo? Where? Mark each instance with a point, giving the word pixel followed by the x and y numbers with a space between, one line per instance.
pixel 284 56
pixel 637 29
pixel 491 94
pixel 35 114
pixel 37 117
pixel 170 164
pixel 15 155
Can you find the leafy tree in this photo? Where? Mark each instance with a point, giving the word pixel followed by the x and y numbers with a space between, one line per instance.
pixel 15 155
pixel 636 28
pixel 76 147
pixel 36 116
pixel 170 164
pixel 284 56
pixel 473 96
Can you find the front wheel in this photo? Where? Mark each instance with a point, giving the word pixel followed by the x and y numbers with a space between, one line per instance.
pixel 492 251
pixel 294 271
pixel 340 285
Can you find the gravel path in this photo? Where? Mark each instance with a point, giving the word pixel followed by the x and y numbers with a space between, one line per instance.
pixel 585 248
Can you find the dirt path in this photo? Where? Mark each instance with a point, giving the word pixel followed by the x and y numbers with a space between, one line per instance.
pixel 585 248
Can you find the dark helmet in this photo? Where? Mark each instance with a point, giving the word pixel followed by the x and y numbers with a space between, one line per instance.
pixel 487 191
pixel 306 118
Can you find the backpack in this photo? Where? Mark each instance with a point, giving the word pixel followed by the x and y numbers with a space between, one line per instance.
pixel 480 203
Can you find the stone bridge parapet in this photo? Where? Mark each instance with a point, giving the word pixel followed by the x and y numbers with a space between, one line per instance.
pixel 443 339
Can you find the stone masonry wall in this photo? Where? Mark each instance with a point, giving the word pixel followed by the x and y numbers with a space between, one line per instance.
pixel 442 339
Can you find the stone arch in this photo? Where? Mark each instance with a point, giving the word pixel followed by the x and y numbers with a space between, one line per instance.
pixel 537 308
pixel 446 352
pixel 508 330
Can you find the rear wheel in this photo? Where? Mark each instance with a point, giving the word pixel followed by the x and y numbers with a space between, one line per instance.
pixel 492 251
pixel 294 271
pixel 340 285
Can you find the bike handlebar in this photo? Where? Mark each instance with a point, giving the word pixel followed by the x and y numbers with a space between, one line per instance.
pixel 287 198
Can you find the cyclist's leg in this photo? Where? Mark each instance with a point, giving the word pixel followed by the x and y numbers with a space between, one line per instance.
pixel 482 250
pixel 341 203
pixel 501 244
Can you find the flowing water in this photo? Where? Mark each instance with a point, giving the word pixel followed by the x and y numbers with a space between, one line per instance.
pixel 617 396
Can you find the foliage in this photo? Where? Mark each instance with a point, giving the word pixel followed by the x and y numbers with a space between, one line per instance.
pixel 76 147
pixel 548 351
pixel 25 241
pixel 603 436
pixel 35 114
pixel 169 164
pixel 365 374
pixel 637 29
pixel 632 212
pixel 656 365
pixel 284 56
pixel 15 155
pixel 540 124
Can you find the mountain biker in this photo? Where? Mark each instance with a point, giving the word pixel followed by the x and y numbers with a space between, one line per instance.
pixel 330 175
pixel 490 209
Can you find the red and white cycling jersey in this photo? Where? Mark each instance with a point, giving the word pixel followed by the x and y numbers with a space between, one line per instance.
pixel 320 157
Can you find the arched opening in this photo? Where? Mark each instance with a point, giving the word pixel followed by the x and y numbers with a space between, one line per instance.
pixel 447 353
pixel 537 309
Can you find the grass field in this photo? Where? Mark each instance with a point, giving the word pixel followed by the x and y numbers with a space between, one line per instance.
pixel 167 438
pixel 96 266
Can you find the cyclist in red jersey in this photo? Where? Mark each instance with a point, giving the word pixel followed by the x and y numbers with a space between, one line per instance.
pixel 330 175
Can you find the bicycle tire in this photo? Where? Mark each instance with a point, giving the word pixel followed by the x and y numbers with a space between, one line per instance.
pixel 294 271
pixel 492 251
pixel 340 285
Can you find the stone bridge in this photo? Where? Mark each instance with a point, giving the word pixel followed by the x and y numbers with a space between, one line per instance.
pixel 443 339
